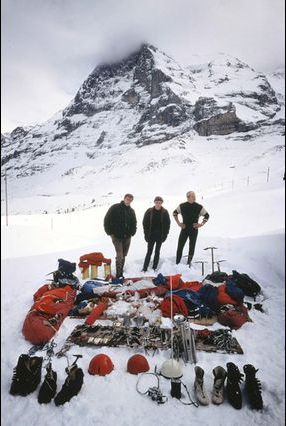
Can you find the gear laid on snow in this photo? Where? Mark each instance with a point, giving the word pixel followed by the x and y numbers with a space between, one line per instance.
pixel 48 388
pixel 154 392
pixel 27 375
pixel 253 387
pixel 171 369
pixel 72 384
pixel 176 392
pixel 250 287
pixel 234 377
pixel 218 386
pixel 101 365
pixel 137 364
pixel 200 392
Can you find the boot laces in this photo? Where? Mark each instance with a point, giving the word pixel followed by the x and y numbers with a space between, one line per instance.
pixel 234 375
pixel 200 387
pixel 218 384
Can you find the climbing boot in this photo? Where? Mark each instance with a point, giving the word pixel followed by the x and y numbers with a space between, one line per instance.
pixel 234 377
pixel 253 387
pixel 49 386
pixel 27 375
pixel 71 386
pixel 219 378
pixel 200 392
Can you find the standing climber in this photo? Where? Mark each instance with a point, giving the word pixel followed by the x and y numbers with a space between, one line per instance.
pixel 190 212
pixel 156 225
pixel 120 223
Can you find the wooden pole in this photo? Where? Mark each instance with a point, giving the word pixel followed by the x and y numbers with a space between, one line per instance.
pixel 6 197
pixel 268 171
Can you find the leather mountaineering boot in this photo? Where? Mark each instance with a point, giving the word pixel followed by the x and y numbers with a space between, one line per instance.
pixel 234 377
pixel 48 387
pixel 219 378
pixel 200 392
pixel 27 375
pixel 253 387
pixel 71 386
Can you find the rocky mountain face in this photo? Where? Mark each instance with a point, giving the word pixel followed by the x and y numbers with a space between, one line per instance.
pixel 147 98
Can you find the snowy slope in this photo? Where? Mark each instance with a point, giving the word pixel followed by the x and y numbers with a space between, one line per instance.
pixel 80 162
pixel 247 226
pixel 143 113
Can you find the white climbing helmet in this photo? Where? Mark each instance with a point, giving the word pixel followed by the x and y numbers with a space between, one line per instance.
pixel 171 369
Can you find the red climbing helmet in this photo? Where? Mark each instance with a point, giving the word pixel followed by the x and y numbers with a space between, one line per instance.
pixel 137 364
pixel 100 364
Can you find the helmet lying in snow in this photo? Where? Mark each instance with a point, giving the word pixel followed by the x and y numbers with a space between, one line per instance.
pixel 171 369
pixel 100 364
pixel 137 364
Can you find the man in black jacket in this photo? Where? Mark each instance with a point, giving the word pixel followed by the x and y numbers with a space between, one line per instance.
pixel 156 225
pixel 190 212
pixel 120 223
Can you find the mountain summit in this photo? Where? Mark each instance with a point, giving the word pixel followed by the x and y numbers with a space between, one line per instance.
pixel 145 99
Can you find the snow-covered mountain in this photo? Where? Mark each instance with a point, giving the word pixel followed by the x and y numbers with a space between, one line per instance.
pixel 139 115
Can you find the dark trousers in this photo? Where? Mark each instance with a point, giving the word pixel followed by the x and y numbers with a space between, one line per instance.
pixel 121 247
pixel 150 248
pixel 185 234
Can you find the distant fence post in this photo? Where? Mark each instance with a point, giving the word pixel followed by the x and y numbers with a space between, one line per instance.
pixel 247 180
pixel 6 197
pixel 268 171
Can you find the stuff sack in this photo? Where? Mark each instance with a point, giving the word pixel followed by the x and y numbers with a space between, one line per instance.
pixel 179 306
pixel 47 314
pixel 234 317
pixel 250 287
pixel 217 277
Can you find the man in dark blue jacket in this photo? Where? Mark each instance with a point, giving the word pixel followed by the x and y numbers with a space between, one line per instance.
pixel 120 223
pixel 156 225
pixel 190 212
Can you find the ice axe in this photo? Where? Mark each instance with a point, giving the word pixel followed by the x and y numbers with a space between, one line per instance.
pixel 218 264
pixel 212 250
pixel 203 266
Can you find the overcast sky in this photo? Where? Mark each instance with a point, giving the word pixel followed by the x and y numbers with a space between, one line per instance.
pixel 49 47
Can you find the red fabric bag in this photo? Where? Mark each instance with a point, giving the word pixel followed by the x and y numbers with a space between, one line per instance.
pixel 234 317
pixel 223 297
pixel 179 306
